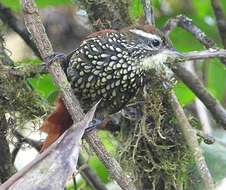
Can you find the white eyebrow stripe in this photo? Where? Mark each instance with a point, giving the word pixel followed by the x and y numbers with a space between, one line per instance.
pixel 145 34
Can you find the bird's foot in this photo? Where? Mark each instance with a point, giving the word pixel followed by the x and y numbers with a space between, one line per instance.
pixel 95 123
pixel 56 56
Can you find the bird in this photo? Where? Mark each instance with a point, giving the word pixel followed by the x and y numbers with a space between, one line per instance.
pixel 109 66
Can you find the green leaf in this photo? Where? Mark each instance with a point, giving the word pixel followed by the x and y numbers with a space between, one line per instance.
pixel 53 96
pixel 184 94
pixel 135 9
pixel 217 79
pixel 44 85
pixel 99 168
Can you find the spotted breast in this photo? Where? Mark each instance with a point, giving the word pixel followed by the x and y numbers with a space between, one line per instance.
pixel 108 67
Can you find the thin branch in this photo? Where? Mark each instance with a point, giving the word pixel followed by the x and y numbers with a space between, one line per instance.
pixel 36 29
pixel 190 137
pixel 27 71
pixel 88 174
pixel 190 79
pixel 148 11
pixel 8 18
pixel 6 165
pixel 194 83
pixel 33 143
pixel 205 54
pixel 221 20
pixel 186 23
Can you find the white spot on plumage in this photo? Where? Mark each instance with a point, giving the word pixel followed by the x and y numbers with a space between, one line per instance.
pixel 100 62
pixel 118 49
pixel 81 73
pixel 79 59
pixel 122 61
pixel 125 77
pixel 104 55
pixel 88 85
pixel 108 87
pixel 95 49
pixel 132 75
pixel 90 78
pixel 96 72
pixel 114 93
pixel 103 91
pixel 117 83
pixel 119 65
pixel 111 64
pixel 79 81
pixel 119 55
pixel 112 48
pixel 103 80
pixel 94 62
pixel 109 77
pixel 114 57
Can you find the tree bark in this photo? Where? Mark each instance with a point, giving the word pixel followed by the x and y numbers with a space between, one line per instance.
pixel 6 166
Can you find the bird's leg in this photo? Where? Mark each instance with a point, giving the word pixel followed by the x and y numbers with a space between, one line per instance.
pixel 56 56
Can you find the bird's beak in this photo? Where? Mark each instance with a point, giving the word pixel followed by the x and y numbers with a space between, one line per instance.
pixel 174 51
pixel 170 52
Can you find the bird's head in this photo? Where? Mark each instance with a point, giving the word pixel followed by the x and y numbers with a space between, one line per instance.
pixel 156 49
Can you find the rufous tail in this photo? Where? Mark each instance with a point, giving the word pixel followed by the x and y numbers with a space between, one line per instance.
pixel 56 123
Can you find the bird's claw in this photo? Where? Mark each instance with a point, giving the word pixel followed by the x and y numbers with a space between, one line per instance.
pixel 56 56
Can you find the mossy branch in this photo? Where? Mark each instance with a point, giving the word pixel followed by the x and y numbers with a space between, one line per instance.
pixel 36 29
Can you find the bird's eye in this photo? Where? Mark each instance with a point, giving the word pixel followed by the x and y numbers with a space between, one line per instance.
pixel 155 43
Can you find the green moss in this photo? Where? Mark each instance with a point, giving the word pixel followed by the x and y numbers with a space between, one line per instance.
pixel 154 151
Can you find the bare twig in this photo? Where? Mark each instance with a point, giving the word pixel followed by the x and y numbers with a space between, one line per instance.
pixel 206 54
pixel 33 143
pixel 8 18
pixel 189 134
pixel 148 11
pixel 35 27
pixel 22 139
pixel 186 23
pixel 89 175
pixel 221 20
pixel 194 83
pixel 192 142
pixel 27 71
pixel 190 79
pixel 6 165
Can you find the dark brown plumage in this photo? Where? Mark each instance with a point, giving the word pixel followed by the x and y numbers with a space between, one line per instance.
pixel 110 66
